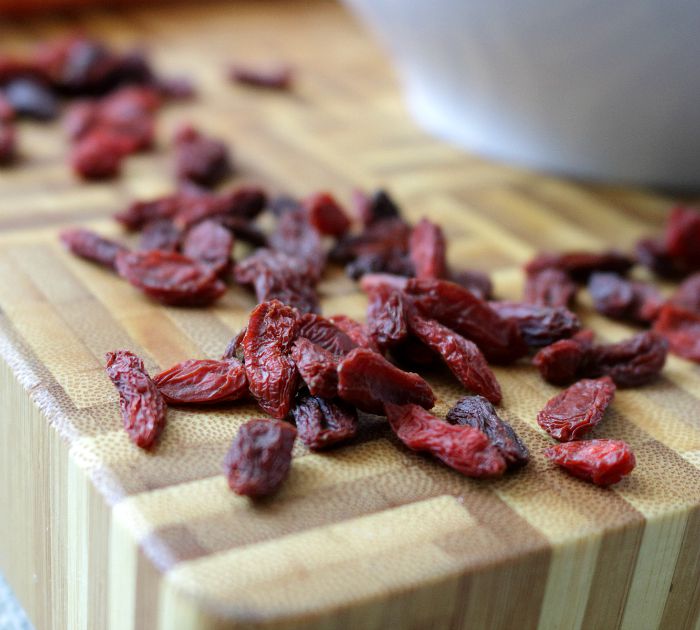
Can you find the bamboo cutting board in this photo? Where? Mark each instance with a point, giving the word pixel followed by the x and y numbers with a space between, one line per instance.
pixel 98 534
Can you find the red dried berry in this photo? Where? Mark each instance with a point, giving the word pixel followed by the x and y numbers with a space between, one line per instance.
pixel 388 236
pixel 295 237
pixel 630 363
pixel 93 247
pixel 476 282
pixel 687 295
pixel 323 423
pixel 199 381
pixel 275 78
pixel 211 244
pixel 260 457
pixel 602 462
pixel 326 215
pixel 160 234
pixel 651 253
pixel 386 318
pixel 562 362
pixel 325 333
pixel 462 356
pixel 413 353
pixel 357 332
pixel 458 309
pixel 477 412
pixel 8 144
pixel 427 247
pixel 391 261
pixel 170 278
pixel 272 375
pixel 140 213
pixel 317 367
pixel 368 381
pixel 201 159
pixel 142 406
pixel 99 154
pixel 549 287
pixel 681 329
pixel 620 298
pixel 7 114
pixel 682 237
pixel 580 265
pixel 539 325
pixel 377 207
pixel 382 281
pixel 463 448
pixel 577 409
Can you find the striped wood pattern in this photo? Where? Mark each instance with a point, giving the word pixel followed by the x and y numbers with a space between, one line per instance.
pixel 102 535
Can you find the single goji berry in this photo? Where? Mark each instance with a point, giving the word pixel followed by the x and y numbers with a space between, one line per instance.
pixel 477 282
pixel 99 154
pixel 317 367
pixel 326 215
pixel 140 213
pixel 211 244
pixel 142 406
pixel 462 356
pixel 580 265
pixel 357 332
pixel 200 381
pixel 277 77
pixel 549 287
pixel 602 462
pixel 379 238
pixel 458 309
pixel 386 317
pixel 323 423
pixel 682 237
pixel 462 447
pixel 478 412
pixel 427 249
pixel 260 457
pixel 620 298
pixel 160 234
pixel 687 295
pixel 93 247
pixel 368 381
pixel 325 333
pixel 200 159
pixel 562 362
pixel 630 363
pixel 272 375
pixel 539 325
pixel 577 409
pixel 681 329
pixel 170 278
pixel 295 237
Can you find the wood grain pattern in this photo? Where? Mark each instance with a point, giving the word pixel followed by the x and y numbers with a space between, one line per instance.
pixel 102 535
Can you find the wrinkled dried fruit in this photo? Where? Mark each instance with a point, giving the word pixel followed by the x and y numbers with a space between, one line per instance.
pixel 477 412
pixel 200 381
pixel 382 281
pixel 200 159
pixel 382 238
pixel 687 295
pixel 93 247
pixel 99 154
pixel 323 423
pixel 413 353
pixel 630 363
pixel 260 457
pixel 211 244
pixel 539 325
pixel 276 78
pixel 140 213
pixel 620 298
pixel 681 329
pixel 170 278
pixel 234 349
pixel 462 356
pixel 326 215
pixel 391 261
pixel 325 333
pixel 317 367
pixel 549 287
pixel 580 265
pixel 427 247
pixel 272 375
pixel 458 309
pixel 357 332
pixel 160 234
pixel 386 318
pixel 651 253
pixel 378 207
pixel 368 381
pixel 295 237
pixel 577 409
pixel 463 448
pixel 682 237
pixel 602 462
pixel 142 406
pixel 477 282
pixel 562 362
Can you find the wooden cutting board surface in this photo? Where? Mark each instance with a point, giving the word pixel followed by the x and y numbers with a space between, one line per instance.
pixel 103 535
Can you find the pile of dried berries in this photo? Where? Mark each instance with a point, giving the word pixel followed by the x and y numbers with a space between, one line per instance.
pixel 323 374
pixel 115 97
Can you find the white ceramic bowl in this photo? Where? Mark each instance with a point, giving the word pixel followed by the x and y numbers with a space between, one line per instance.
pixel 599 89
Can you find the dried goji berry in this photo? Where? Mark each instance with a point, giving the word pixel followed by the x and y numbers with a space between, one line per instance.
pixel 477 412
pixel 382 281
pixel 160 234
pixel 142 406
pixel 170 278
pixel 539 325
pixel 580 265
pixel 8 144
pixel 458 309
pixel 272 375
pixel 325 333
pixel 462 356
pixel 295 237
pixel 99 154
pixel 394 260
pixel 317 367
pixel 379 238
pixel 7 114
pixel 377 207
pixel 323 423
pixel 201 159
pixel 211 244
pixel 386 317
pixel 368 381
pixel 577 409
pixel 562 362
pixel 687 295
pixel 411 352
pixel 275 77
pixel 244 230
pixel 681 328
pixel 602 462
pixel 477 282
pixel 203 381
pixel 140 213
pixel 427 248
pixel 549 287
pixel 620 298
pixel 260 457
pixel 326 215
pixel 357 332
pixel 682 237
pixel 463 448
pixel 630 363
pixel 93 247
pixel 651 252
